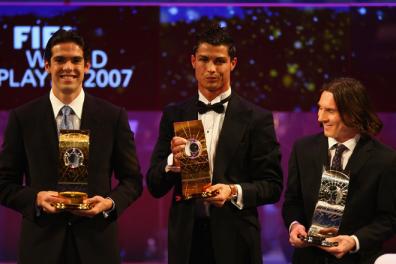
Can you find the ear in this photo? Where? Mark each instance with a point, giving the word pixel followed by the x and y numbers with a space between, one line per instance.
pixel 193 61
pixel 233 63
pixel 47 66
pixel 86 67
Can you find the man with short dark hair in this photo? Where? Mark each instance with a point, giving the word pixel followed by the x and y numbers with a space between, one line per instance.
pixel 349 123
pixel 29 165
pixel 244 162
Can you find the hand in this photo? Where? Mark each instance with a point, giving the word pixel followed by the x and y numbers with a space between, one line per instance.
pixel 345 245
pixel 328 231
pixel 99 204
pixel 224 194
pixel 177 146
pixel 46 200
pixel 296 231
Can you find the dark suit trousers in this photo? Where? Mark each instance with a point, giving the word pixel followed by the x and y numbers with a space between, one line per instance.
pixel 201 245
pixel 70 253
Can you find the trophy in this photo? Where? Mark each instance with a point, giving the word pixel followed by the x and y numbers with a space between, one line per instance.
pixel 194 163
pixel 329 208
pixel 73 161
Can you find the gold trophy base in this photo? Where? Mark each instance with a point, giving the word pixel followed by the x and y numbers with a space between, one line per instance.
pixel 76 201
pixel 201 195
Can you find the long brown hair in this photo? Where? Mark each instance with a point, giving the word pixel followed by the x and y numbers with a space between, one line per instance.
pixel 354 105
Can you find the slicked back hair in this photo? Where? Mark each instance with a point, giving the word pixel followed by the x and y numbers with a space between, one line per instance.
pixel 216 36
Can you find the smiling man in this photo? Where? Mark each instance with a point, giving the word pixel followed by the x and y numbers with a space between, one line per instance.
pixel 244 162
pixel 29 164
pixel 66 65
pixel 345 113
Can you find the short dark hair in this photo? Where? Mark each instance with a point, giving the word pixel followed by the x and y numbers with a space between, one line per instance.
pixel 62 36
pixel 216 36
pixel 354 105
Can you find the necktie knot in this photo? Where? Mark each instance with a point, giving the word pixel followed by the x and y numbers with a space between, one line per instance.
pixel 341 148
pixel 336 164
pixel 66 110
pixel 66 122
pixel 217 107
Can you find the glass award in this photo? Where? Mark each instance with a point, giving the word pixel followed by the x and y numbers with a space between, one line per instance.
pixel 194 163
pixel 329 209
pixel 73 169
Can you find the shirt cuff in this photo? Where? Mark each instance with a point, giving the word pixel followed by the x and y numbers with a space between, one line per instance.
pixel 170 160
pixel 107 213
pixel 292 223
pixel 238 201
pixel 38 210
pixel 357 247
pixel 169 165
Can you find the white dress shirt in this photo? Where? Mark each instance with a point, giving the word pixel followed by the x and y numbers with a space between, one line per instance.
pixel 76 105
pixel 350 144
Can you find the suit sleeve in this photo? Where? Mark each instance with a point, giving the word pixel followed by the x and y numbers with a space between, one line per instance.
pixel 126 166
pixel 264 164
pixel 383 225
pixel 160 182
pixel 13 193
pixel 293 208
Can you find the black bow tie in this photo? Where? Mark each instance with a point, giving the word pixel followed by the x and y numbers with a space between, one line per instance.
pixel 217 107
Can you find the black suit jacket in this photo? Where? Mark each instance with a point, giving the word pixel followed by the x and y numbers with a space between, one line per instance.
pixel 370 207
pixel 30 149
pixel 248 154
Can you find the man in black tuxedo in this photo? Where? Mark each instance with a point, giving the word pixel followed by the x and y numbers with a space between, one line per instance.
pixel 29 165
pixel 369 216
pixel 244 161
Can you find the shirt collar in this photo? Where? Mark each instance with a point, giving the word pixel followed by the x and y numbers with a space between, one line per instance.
pixel 217 99
pixel 76 104
pixel 350 143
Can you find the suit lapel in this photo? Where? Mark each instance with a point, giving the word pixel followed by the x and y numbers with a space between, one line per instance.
pixel 46 131
pixel 89 121
pixel 360 155
pixel 88 116
pixel 236 119
pixel 50 131
pixel 320 160
pixel 322 148
pixel 190 112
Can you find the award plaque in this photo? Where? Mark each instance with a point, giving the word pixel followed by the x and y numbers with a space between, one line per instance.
pixel 329 209
pixel 73 171
pixel 194 164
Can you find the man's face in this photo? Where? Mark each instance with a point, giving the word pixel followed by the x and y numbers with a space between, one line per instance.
pixel 330 118
pixel 67 68
pixel 213 67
